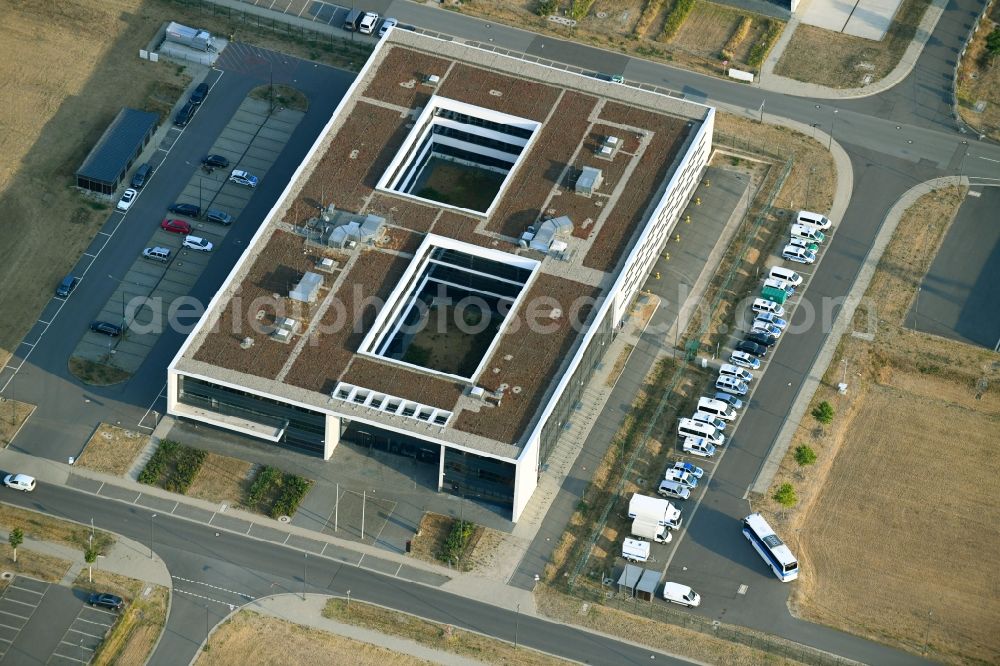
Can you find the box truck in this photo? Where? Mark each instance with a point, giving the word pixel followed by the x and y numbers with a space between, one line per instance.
pixel 648 529
pixel 654 510
pixel 200 40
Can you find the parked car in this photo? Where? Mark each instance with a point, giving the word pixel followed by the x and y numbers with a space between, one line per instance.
pixel 752 348
pixel 744 360
pixel 241 177
pixel 813 219
pixel 218 216
pixel 196 243
pixel 175 226
pixel 21 482
pixel 767 329
pixel 199 94
pixel 710 419
pixel 770 318
pixel 215 161
pixel 804 244
pixel 188 209
pixel 128 196
pixel 141 176
pixel 807 232
pixel 184 114
pixel 681 594
pixel 106 600
pixel 698 446
pixel 781 285
pixel 106 327
pixel 67 286
pixel 693 470
pixel 761 338
pixel 368 21
pixel 729 399
pixel 673 490
pixel 798 254
pixel 386 24
pixel 730 370
pixel 731 385
pixel 681 477
pixel 786 274
pixel 161 254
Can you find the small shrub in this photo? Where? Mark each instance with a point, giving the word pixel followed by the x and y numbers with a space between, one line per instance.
pixel 993 43
pixel 547 7
pixel 735 39
pixel 580 9
pixel 457 541
pixel 676 18
pixel 760 50
pixel 293 489
pixel 804 455
pixel 188 462
pixel 157 464
pixel 823 412
pixel 647 16
pixel 785 495
pixel 266 478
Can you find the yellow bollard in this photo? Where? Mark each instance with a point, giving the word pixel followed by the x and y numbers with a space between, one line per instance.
pixel 677 238
pixel 708 183
pixel 697 201
pixel 657 274
pixel 687 219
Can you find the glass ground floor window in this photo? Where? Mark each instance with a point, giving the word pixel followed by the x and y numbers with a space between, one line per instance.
pixel 479 477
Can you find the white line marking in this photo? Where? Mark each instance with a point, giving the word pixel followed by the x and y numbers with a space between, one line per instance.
pixel 214 587
pixel 77 631
pixel 99 624
pixel 398 570
pixel 23 617
pixel 18 587
pixel 7 626
pixel 74 645
pixel 23 603
pixel 987 159
pixel 200 596
pixel 47 323
pixel 975 194
pixel 87 254
pixel 287 538
pixel 137 498
pixel 324 549
pixel 62 656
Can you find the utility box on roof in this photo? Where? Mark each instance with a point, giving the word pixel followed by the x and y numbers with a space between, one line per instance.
pixel 589 181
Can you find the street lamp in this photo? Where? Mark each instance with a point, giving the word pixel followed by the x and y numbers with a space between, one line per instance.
pixel 122 284
pixel 151 535
pixel 833 124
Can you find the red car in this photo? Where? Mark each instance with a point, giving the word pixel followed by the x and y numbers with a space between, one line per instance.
pixel 176 226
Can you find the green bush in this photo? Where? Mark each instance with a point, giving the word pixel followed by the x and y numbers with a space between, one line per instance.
pixel 675 19
pixel 157 464
pixel 993 43
pixel 457 541
pixel 265 479
pixel 785 495
pixel 760 50
pixel 804 455
pixel 293 489
pixel 188 462
pixel 547 7
pixel 580 9
pixel 823 412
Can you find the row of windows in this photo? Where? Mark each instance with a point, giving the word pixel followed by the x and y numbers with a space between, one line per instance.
pixel 477 139
pixel 466 119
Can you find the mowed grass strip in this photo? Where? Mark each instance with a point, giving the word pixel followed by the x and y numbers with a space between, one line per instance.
pixel 112 449
pixel 221 479
pixel 41 527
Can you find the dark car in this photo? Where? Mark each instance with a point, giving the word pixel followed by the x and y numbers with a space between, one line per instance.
pixel 760 351
pixel 764 339
pixel 141 175
pixel 199 94
pixel 187 209
pixel 175 226
pixel 67 286
pixel 106 600
pixel 107 328
pixel 218 216
pixel 183 116
pixel 215 161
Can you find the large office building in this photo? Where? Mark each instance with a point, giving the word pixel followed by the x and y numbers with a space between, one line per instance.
pixel 443 273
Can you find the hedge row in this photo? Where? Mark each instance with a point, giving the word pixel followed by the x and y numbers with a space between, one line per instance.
pixel 760 50
pixel 293 489
pixel 157 464
pixel 647 16
pixel 735 39
pixel 266 478
pixel 675 19
pixel 172 466
pixel 457 541
pixel 276 493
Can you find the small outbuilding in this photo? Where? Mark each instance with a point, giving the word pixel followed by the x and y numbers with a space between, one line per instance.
pixel 645 589
pixel 629 579
pixel 119 147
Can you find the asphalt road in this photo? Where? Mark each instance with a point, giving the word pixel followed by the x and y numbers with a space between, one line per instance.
pixel 214 569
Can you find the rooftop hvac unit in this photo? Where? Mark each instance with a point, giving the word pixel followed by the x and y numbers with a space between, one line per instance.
pixel 282 335
pixel 589 181
pixel 432 79
pixel 551 232
pixel 307 289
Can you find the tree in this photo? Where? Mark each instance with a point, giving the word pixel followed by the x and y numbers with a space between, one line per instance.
pixel 90 556
pixel 785 496
pixel 823 412
pixel 804 455
pixel 15 539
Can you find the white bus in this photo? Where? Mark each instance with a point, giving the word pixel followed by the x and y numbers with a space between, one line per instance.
pixel 771 548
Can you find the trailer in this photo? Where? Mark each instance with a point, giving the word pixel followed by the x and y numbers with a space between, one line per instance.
pixel 200 40
pixel 654 510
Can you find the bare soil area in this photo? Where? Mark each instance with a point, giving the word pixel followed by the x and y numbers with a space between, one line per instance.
pixel 837 60
pixel 865 507
pixel 274 641
pixel 112 449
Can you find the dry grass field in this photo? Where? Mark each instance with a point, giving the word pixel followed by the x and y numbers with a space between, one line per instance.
pixel 221 479
pixel 112 449
pixel 891 549
pixel 979 80
pixel 274 641
pixel 13 414
pixel 30 563
pixel 134 634
pixel 843 61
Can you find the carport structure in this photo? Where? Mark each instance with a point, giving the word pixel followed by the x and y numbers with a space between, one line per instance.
pixel 117 150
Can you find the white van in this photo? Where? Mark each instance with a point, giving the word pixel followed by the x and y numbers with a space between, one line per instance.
pixel 710 419
pixel 692 428
pixel 812 219
pixel 635 550
pixel 698 446
pixel 786 274
pixel 784 286
pixel 731 385
pixel 764 305
pixel 716 408
pixel 807 232
pixel 681 594
pixel 730 370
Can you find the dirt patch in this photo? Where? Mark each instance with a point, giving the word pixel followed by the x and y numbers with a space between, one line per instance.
pixel 979 80
pixel 221 479
pixel 112 449
pixel 616 369
pixel 97 373
pixel 853 526
pixel 282 97
pixel 135 632
pixel 837 60
pixel 274 641
pixel 435 635
pixel 30 563
pixel 13 414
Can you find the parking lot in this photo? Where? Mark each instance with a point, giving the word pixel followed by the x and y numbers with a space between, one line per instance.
pixel 151 295
pixel 46 623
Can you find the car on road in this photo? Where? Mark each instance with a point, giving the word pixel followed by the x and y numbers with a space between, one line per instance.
pixel 698 446
pixel 729 399
pixel 752 348
pixel 770 318
pixel 765 328
pixel 673 490
pixel 744 360
pixel 612 78
pixel 199 94
pixel 218 216
pixel 681 477
pixel 368 21
pixel 197 243
pixel 681 594
pixel 106 328
pixel 128 196
pixel 241 177
pixel 730 370
pixel 799 255
pixel 185 114
pixel 67 286
pixel 731 385
pixel 21 482
pixel 693 470
pixel 187 209
pixel 106 600
pixel 786 274
pixel 386 24
pixel 175 226
pixel 215 161
pixel 761 338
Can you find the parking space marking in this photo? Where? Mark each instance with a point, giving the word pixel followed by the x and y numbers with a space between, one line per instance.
pixel 99 624
pixel 77 631
pixel 23 617
pixel 62 656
